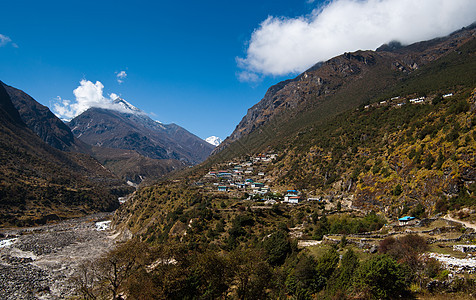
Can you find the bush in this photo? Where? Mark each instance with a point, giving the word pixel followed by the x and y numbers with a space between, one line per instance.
pixel 382 277
pixel 277 247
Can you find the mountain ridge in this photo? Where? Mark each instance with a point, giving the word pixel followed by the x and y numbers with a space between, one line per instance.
pixel 116 129
pixel 39 183
pixel 325 79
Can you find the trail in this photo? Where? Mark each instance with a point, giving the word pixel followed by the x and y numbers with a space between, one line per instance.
pixel 467 224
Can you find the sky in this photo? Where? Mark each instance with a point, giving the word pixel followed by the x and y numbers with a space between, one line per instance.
pixel 199 64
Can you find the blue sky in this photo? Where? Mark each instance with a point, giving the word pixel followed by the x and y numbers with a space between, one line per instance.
pixel 199 64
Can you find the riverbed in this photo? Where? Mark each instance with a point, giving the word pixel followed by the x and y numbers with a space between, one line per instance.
pixel 39 262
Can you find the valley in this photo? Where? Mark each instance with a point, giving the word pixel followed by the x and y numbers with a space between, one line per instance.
pixel 354 180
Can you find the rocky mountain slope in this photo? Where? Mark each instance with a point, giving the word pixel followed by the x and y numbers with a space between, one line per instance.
pixel 39 183
pixel 342 83
pixel 41 120
pixel 136 131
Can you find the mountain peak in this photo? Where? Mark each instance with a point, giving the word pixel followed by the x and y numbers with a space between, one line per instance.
pixel 124 106
pixel 214 140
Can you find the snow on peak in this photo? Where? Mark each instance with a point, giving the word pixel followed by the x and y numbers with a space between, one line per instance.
pixel 214 140
pixel 125 106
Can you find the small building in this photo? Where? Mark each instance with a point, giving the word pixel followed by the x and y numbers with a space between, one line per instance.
pixel 222 188
pixel 222 174
pixel 290 194
pixel 319 199
pixel 407 220
pixel 261 174
pixel 294 199
pixel 447 95
pixel 257 185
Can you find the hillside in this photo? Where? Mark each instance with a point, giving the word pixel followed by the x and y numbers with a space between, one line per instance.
pixel 39 183
pixel 305 200
pixel 41 120
pixel 408 147
pixel 340 84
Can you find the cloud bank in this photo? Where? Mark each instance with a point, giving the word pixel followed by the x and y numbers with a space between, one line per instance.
pixel 282 45
pixel 89 94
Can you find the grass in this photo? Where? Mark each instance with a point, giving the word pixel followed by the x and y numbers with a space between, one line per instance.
pixel 447 249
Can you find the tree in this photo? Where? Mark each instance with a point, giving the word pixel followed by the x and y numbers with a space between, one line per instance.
pixel 349 265
pixel 85 281
pixel 303 280
pixel 110 275
pixel 119 265
pixel 382 277
pixel 277 247
pixel 252 275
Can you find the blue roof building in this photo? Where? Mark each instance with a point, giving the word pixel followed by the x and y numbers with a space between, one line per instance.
pixel 407 220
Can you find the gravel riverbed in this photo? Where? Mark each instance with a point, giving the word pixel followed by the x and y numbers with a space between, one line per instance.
pixel 37 263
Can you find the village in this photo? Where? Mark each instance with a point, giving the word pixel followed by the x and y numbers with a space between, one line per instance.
pixel 451 242
pixel 399 101
pixel 247 180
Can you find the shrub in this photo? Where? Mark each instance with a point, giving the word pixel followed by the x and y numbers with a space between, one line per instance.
pixel 382 277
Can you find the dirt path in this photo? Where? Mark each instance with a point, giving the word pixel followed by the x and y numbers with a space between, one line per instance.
pixel 37 263
pixel 467 224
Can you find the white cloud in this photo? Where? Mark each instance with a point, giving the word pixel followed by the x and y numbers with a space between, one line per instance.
pixel 121 76
pixel 89 94
pixel 5 40
pixel 290 45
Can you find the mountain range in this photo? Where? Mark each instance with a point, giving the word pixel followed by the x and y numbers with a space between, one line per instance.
pixel 49 174
pixel 129 128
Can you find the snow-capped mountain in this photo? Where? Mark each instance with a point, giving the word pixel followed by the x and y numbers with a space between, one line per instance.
pixel 214 140
pixel 124 106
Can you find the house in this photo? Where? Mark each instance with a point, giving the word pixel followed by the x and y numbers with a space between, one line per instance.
pixel 257 185
pixel 319 199
pixel 261 174
pixel 447 95
pixel 224 175
pixel 407 220
pixel 222 188
pixel 294 199
pixel 289 194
